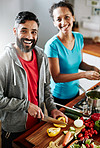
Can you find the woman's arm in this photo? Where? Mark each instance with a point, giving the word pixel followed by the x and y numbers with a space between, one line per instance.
pixel 60 78
pixel 85 66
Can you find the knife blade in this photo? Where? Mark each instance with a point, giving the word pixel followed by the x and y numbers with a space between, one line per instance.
pixel 52 120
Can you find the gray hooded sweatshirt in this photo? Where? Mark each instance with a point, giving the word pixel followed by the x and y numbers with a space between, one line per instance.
pixel 14 89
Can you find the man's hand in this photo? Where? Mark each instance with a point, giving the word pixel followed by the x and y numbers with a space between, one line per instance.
pixel 56 113
pixel 35 111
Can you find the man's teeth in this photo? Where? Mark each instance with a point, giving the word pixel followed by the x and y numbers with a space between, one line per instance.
pixel 27 42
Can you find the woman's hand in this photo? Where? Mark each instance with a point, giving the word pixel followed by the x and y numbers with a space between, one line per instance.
pixel 96 69
pixel 92 75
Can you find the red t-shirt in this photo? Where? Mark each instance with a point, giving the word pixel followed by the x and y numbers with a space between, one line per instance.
pixel 31 69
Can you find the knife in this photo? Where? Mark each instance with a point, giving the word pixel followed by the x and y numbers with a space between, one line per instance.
pixel 52 120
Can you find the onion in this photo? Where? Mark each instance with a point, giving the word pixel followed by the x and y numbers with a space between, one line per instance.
pixel 78 123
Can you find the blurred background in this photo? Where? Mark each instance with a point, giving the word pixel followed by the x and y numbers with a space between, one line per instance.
pixel 87 14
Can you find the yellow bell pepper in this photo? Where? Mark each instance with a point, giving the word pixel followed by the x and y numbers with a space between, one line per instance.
pixel 60 125
pixel 52 131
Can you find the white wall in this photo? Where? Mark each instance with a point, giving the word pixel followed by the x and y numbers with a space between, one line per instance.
pixel 9 9
pixel 82 12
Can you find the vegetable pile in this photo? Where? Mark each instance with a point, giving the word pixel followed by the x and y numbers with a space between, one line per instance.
pixel 89 129
pixel 86 143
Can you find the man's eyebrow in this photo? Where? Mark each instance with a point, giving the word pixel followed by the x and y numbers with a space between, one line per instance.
pixel 32 29
pixel 24 28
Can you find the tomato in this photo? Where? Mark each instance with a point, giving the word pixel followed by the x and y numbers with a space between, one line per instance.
pixel 83 130
pixel 87 145
pixel 82 118
pixel 90 134
pixel 80 135
pixel 95 132
pixel 88 120
pixel 86 137
pixel 82 138
pixel 91 125
pixel 87 124
pixel 86 132
pixel 91 129
pixel 91 145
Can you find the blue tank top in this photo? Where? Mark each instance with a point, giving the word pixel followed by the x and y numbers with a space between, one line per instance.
pixel 69 61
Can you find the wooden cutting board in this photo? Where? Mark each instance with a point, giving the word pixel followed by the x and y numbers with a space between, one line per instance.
pixel 40 139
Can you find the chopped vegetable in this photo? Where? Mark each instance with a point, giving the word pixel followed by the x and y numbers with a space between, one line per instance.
pixel 53 131
pixel 78 123
pixel 67 138
pixel 60 125
pixel 65 132
pixel 72 129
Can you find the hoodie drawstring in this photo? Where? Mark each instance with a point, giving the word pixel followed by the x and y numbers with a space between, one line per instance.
pixel 14 73
pixel 44 71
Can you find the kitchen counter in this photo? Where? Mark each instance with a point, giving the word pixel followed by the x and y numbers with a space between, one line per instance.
pixel 91 47
pixel 21 141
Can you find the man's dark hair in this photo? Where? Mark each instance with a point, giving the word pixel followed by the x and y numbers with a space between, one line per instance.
pixel 23 16
pixel 62 3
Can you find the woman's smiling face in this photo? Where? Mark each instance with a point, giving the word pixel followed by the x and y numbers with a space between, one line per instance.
pixel 63 19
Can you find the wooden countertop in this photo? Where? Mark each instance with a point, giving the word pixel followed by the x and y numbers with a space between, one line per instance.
pixel 91 48
pixel 21 141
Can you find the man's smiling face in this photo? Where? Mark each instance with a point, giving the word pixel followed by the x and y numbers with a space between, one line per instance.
pixel 26 35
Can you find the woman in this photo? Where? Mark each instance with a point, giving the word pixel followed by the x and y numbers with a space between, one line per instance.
pixel 65 57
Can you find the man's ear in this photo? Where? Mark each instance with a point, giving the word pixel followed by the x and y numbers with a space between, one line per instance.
pixel 14 31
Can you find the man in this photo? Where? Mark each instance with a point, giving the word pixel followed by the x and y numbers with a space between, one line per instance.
pixel 24 81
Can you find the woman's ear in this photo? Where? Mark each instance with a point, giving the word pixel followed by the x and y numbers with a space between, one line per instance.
pixel 14 31
pixel 54 23
pixel 73 18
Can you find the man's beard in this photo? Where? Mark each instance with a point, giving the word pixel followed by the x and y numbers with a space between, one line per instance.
pixel 23 48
